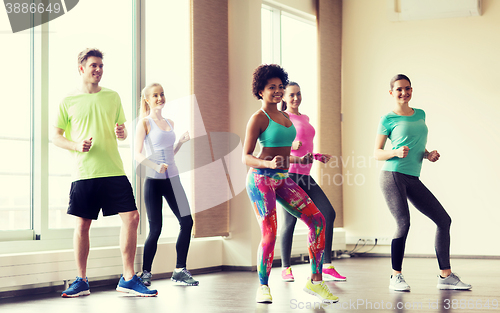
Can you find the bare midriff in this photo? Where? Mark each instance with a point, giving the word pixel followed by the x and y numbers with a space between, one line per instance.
pixel 268 153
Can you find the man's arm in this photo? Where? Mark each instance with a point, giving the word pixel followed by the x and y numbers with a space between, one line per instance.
pixel 62 142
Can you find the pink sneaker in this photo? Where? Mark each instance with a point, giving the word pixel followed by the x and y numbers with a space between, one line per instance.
pixel 330 273
pixel 287 275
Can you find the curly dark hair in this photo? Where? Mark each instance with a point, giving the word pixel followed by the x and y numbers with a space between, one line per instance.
pixel 263 74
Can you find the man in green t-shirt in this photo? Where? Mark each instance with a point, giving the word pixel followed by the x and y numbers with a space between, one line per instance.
pixel 89 122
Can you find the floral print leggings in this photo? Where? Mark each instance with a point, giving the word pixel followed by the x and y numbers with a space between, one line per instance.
pixel 264 187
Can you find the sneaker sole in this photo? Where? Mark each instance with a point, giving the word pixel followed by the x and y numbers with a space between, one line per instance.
pixel 397 289
pixel 452 287
pixel 264 300
pixel 327 277
pixel 133 292
pixel 289 280
pixel 180 282
pixel 81 293
pixel 322 299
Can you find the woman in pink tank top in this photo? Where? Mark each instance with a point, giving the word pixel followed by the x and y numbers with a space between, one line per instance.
pixel 300 173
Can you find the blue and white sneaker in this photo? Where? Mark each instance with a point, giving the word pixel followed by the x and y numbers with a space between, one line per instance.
pixel 77 288
pixel 136 287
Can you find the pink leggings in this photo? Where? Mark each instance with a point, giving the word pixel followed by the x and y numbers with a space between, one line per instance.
pixel 264 187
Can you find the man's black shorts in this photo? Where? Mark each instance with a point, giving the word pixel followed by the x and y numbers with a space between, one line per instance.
pixel 113 194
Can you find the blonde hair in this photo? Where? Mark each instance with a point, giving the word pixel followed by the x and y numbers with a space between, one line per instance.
pixel 144 93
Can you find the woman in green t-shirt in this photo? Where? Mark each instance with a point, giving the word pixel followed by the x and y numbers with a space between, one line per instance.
pixel 405 127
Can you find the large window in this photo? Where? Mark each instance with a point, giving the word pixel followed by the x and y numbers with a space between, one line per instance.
pixel 168 62
pixel 291 41
pixel 40 68
pixel 15 129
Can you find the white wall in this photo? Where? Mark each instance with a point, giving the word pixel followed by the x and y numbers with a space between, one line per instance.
pixel 454 68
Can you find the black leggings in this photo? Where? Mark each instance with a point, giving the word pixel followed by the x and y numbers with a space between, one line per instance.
pixel 171 189
pixel 314 191
pixel 397 188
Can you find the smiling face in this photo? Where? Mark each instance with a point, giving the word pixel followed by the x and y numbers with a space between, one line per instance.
pixel 273 91
pixel 293 97
pixel 155 97
pixel 401 92
pixel 92 70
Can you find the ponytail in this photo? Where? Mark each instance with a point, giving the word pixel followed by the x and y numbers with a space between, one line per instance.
pixel 283 106
pixel 144 105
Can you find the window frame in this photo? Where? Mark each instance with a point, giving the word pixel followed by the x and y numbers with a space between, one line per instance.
pixel 40 237
pixel 276 12
pixel 27 234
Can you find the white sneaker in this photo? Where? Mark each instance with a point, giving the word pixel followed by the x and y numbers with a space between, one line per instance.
pixel 264 294
pixel 398 283
pixel 452 282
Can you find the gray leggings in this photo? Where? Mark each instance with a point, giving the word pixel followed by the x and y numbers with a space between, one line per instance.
pixel 314 191
pixel 397 188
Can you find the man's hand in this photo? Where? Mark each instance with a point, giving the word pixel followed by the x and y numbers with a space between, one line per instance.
pixel 120 131
pixel 84 146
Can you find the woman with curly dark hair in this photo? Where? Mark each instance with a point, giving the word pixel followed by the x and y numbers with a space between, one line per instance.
pixel 268 181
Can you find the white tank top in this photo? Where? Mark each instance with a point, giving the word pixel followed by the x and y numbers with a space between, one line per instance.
pixel 160 149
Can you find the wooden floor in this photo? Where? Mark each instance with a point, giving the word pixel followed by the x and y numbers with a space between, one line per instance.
pixel 366 289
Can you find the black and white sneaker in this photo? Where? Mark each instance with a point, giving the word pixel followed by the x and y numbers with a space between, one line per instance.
pixel 184 277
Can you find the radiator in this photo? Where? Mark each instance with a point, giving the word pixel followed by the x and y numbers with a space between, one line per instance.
pixel 41 269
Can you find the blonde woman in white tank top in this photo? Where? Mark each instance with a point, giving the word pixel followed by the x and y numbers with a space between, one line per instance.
pixel 156 134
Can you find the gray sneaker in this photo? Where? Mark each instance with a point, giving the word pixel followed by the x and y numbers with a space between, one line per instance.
pixel 146 276
pixel 184 277
pixel 398 283
pixel 452 282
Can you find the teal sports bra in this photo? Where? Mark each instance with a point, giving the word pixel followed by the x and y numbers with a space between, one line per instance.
pixel 277 135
